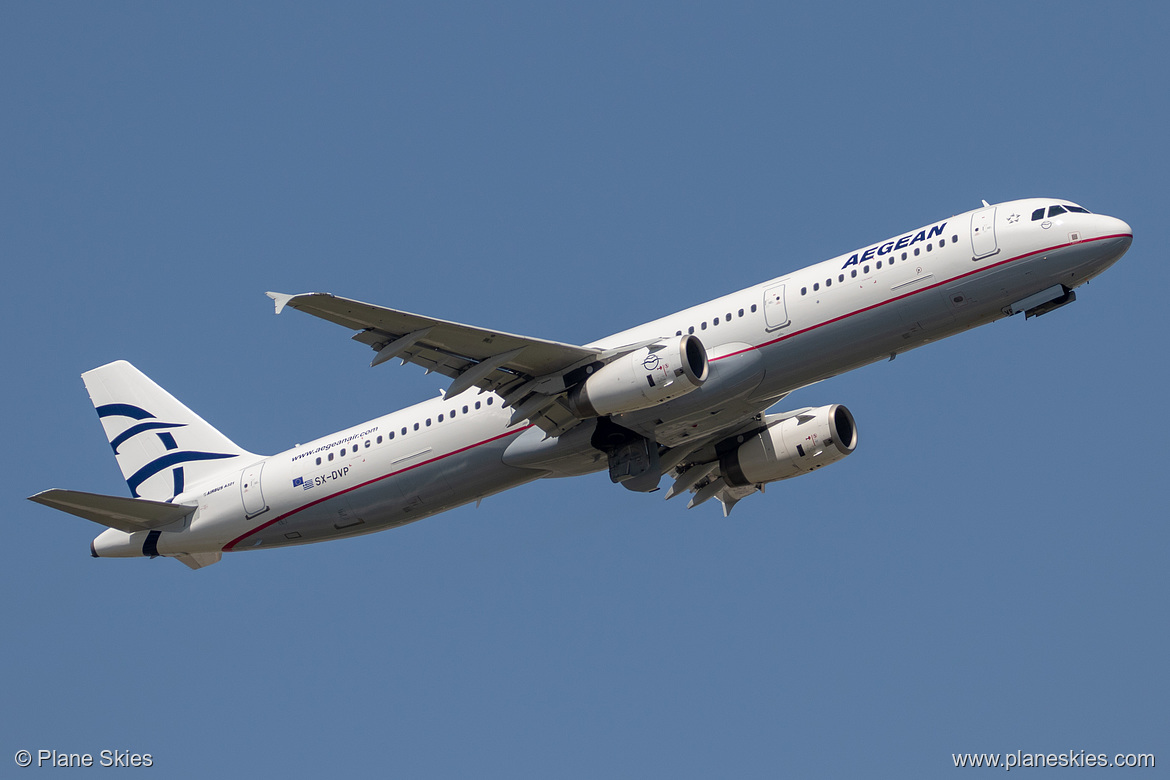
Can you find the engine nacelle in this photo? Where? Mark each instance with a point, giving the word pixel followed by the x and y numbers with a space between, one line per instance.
pixel 791 447
pixel 644 378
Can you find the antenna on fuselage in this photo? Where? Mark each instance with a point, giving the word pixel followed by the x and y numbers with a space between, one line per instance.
pixel 985 203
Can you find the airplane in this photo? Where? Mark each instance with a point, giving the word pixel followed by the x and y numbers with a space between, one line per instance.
pixel 686 396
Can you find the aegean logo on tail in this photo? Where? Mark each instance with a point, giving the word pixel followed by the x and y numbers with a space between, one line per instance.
pixel 173 458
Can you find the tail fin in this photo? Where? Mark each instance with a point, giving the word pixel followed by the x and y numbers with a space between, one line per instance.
pixel 161 445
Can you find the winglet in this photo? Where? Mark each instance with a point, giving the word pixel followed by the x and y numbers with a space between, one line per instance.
pixel 281 300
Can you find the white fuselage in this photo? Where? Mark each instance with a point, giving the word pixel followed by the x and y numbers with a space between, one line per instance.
pixel 763 342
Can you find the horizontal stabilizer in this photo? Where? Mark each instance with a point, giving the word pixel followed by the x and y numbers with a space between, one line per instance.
pixel 125 514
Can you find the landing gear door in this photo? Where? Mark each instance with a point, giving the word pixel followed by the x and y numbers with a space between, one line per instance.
pixel 775 312
pixel 983 243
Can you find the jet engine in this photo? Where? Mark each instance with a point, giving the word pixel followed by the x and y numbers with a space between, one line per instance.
pixel 790 446
pixel 644 378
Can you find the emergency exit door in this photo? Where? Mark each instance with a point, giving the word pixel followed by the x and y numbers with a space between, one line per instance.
pixel 775 312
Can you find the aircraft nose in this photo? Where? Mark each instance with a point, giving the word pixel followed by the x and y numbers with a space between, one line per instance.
pixel 1117 227
pixel 1114 239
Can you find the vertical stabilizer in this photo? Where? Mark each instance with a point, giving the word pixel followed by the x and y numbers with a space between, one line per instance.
pixel 161 445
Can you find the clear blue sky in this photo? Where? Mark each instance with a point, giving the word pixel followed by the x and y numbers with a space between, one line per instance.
pixel 987 573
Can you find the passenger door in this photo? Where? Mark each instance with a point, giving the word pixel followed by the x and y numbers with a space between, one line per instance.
pixel 250 491
pixel 983 243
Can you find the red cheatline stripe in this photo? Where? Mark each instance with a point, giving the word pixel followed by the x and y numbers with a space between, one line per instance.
pixel 919 290
pixel 231 545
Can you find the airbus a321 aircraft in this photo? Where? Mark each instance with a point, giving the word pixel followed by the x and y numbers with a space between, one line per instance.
pixel 683 396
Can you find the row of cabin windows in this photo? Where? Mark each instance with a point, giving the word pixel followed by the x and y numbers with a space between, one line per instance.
pixel 865 268
pixel 390 436
pixel 726 318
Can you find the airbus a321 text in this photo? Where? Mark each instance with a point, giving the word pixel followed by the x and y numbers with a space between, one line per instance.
pixel 684 396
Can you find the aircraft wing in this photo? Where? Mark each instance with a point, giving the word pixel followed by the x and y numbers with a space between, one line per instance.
pixel 528 373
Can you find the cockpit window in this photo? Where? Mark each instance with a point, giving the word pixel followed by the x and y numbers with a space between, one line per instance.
pixel 1054 210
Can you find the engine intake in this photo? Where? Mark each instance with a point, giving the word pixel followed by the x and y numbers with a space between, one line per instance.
pixel 646 377
pixel 789 447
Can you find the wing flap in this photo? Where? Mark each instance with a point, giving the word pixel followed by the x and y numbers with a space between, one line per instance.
pixel 124 514
pixel 441 338
pixel 521 369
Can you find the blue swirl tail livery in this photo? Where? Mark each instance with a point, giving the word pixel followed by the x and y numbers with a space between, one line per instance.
pixel 161 445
